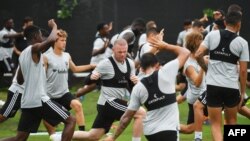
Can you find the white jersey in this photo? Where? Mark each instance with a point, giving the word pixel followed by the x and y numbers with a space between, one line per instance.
pixel 121 36
pixel 105 68
pixel 145 48
pixel 181 37
pixel 142 40
pixel 5 52
pixel 57 74
pixel 98 44
pixel 34 79
pixel 15 86
pixel 164 118
pixel 221 73
pixel 194 92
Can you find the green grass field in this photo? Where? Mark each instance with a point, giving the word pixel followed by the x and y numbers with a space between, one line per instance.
pixel 9 127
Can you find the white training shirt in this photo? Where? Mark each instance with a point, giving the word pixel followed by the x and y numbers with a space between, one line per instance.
pixel 164 118
pixel 57 74
pixel 105 68
pixel 194 92
pixel 34 79
pixel 98 44
pixel 5 52
pixel 15 86
pixel 220 73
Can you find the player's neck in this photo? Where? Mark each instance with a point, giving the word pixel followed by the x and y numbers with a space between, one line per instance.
pixel 58 51
pixel 232 29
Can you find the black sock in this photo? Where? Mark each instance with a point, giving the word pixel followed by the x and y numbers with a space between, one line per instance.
pixel 81 128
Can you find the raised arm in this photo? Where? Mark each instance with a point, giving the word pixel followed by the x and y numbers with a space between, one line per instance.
pixel 182 53
pixel 101 50
pixel 39 47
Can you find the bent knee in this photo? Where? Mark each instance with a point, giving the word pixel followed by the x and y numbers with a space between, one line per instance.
pixel 141 113
pixel 76 105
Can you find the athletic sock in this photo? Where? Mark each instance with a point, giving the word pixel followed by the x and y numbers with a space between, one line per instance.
pixel 198 135
pixel 81 128
pixel 136 138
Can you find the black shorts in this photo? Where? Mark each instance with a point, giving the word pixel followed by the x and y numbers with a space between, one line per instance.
pixel 182 79
pixel 108 113
pixel 190 114
pixel 220 96
pixel 12 104
pixel 163 135
pixel 203 99
pixel 65 100
pixel 50 111
pixel 6 65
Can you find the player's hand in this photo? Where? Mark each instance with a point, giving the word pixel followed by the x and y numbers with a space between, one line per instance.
pixel 134 79
pixel 95 75
pixel 52 23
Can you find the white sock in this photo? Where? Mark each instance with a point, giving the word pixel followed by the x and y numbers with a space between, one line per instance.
pixel 55 137
pixel 245 96
pixel 198 135
pixel 136 138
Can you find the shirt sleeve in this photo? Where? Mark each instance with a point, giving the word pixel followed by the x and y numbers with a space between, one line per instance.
pixel 104 68
pixel 242 47
pixel 138 96
pixel 98 44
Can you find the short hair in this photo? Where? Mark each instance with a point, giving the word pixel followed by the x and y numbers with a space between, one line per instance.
pixel 148 60
pixel 234 7
pixel 233 17
pixel 197 23
pixel 221 12
pixel 187 22
pixel 120 41
pixel 62 33
pixel 153 31
pixel 139 21
pixel 5 20
pixel 150 24
pixel 193 40
pixel 27 19
pixel 31 31
pixel 100 26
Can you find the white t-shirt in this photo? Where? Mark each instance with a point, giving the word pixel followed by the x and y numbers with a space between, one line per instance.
pixel 98 44
pixel 164 118
pixel 57 74
pixel 105 68
pixel 34 79
pixel 5 52
pixel 194 92
pixel 220 73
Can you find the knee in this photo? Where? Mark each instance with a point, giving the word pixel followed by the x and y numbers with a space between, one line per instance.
pixel 71 120
pixel 197 105
pixel 76 105
pixel 22 136
pixel 2 118
pixel 94 137
pixel 141 113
